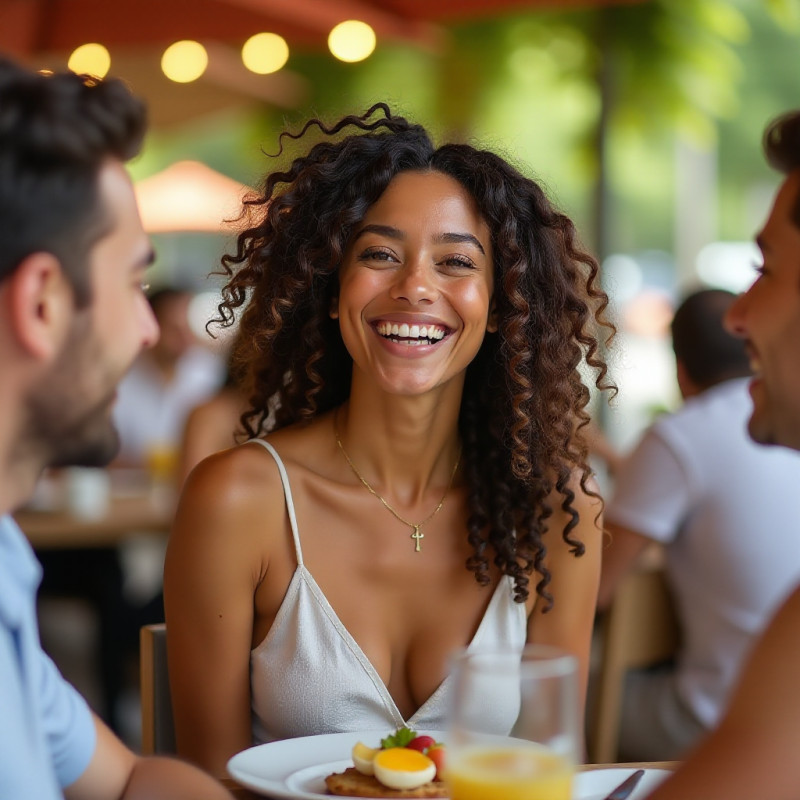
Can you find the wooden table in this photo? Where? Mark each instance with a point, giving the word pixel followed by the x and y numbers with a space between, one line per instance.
pixel 133 507
pixel 46 529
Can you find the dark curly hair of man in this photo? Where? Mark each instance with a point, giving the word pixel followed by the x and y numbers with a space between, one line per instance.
pixel 524 400
pixel 56 132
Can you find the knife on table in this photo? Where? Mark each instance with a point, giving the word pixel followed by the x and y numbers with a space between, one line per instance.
pixel 626 787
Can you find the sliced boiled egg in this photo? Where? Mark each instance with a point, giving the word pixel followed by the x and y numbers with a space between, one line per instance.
pixel 403 768
pixel 363 757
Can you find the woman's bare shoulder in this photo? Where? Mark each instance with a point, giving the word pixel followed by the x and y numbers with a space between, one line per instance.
pixel 247 476
pixel 231 474
pixel 238 490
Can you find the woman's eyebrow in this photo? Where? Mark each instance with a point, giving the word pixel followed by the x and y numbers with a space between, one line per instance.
pixel 443 238
pixel 458 238
pixel 382 230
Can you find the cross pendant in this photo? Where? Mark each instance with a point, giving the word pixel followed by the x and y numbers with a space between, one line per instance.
pixel 417 536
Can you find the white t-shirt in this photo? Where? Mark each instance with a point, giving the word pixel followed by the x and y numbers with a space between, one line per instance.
pixel 150 412
pixel 728 511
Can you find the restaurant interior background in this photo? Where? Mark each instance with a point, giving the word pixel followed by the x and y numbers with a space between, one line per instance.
pixel 642 117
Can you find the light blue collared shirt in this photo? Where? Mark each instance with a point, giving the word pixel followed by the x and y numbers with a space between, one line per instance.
pixel 47 734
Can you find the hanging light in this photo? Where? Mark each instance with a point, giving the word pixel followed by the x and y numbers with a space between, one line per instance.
pixel 90 59
pixel 184 61
pixel 265 53
pixel 351 40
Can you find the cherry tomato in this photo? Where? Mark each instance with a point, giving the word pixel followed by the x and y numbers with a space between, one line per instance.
pixel 421 743
pixel 437 755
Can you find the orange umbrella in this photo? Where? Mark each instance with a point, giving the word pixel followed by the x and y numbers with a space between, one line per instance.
pixel 189 196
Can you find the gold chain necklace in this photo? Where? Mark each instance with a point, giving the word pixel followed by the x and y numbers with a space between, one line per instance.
pixel 417 535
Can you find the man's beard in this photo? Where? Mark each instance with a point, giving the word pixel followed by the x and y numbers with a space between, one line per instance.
pixel 69 436
pixel 69 429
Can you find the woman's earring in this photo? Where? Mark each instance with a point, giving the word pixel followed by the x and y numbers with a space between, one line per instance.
pixel 333 311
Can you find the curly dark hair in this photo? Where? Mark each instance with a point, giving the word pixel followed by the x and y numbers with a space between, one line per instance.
pixel 56 131
pixel 524 399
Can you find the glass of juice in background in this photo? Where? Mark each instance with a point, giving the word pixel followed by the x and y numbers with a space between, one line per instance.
pixel 513 730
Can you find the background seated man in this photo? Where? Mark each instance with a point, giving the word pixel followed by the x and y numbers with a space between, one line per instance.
pixel 214 424
pixel 164 384
pixel 726 509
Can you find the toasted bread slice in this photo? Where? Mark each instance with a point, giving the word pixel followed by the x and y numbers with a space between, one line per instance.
pixel 352 783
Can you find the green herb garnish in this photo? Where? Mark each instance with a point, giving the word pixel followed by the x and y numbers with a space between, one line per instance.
pixel 400 738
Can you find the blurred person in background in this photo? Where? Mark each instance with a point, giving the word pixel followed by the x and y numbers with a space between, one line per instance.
pixel 752 753
pixel 154 401
pixel 73 256
pixel 165 383
pixel 213 425
pixel 725 509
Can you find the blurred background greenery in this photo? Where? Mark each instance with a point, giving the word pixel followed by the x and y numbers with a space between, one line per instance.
pixel 573 97
pixel 643 119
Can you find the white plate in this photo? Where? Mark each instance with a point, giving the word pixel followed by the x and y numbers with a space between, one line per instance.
pixel 295 769
pixel 597 783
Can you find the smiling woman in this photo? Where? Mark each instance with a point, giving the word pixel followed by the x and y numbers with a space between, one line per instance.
pixel 414 323
pixel 420 261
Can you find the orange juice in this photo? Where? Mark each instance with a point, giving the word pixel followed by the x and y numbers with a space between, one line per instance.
pixel 161 459
pixel 509 773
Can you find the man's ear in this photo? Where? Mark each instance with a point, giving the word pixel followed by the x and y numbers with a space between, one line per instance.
pixel 686 385
pixel 333 311
pixel 40 305
pixel 492 322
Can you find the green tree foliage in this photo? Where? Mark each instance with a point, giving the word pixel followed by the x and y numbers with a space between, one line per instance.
pixel 539 86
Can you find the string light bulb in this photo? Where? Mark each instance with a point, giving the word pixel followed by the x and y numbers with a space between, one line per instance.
pixel 265 53
pixel 90 59
pixel 184 61
pixel 352 40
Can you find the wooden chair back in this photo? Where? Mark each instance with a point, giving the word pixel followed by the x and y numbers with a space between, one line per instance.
pixel 639 629
pixel 158 730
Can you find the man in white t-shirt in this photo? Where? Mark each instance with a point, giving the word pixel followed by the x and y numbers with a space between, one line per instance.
pixel 725 509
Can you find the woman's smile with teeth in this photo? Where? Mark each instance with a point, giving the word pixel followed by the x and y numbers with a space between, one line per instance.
pixel 411 334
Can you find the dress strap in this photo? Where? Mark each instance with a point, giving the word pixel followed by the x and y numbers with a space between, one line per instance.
pixel 287 491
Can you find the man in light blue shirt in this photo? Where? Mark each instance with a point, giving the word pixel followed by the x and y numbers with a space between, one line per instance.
pixel 73 317
pixel 45 721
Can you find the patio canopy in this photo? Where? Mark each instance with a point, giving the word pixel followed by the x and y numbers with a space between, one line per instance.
pixel 42 33
pixel 45 26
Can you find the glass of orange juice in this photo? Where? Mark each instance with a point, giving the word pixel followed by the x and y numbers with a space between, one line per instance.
pixel 513 730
